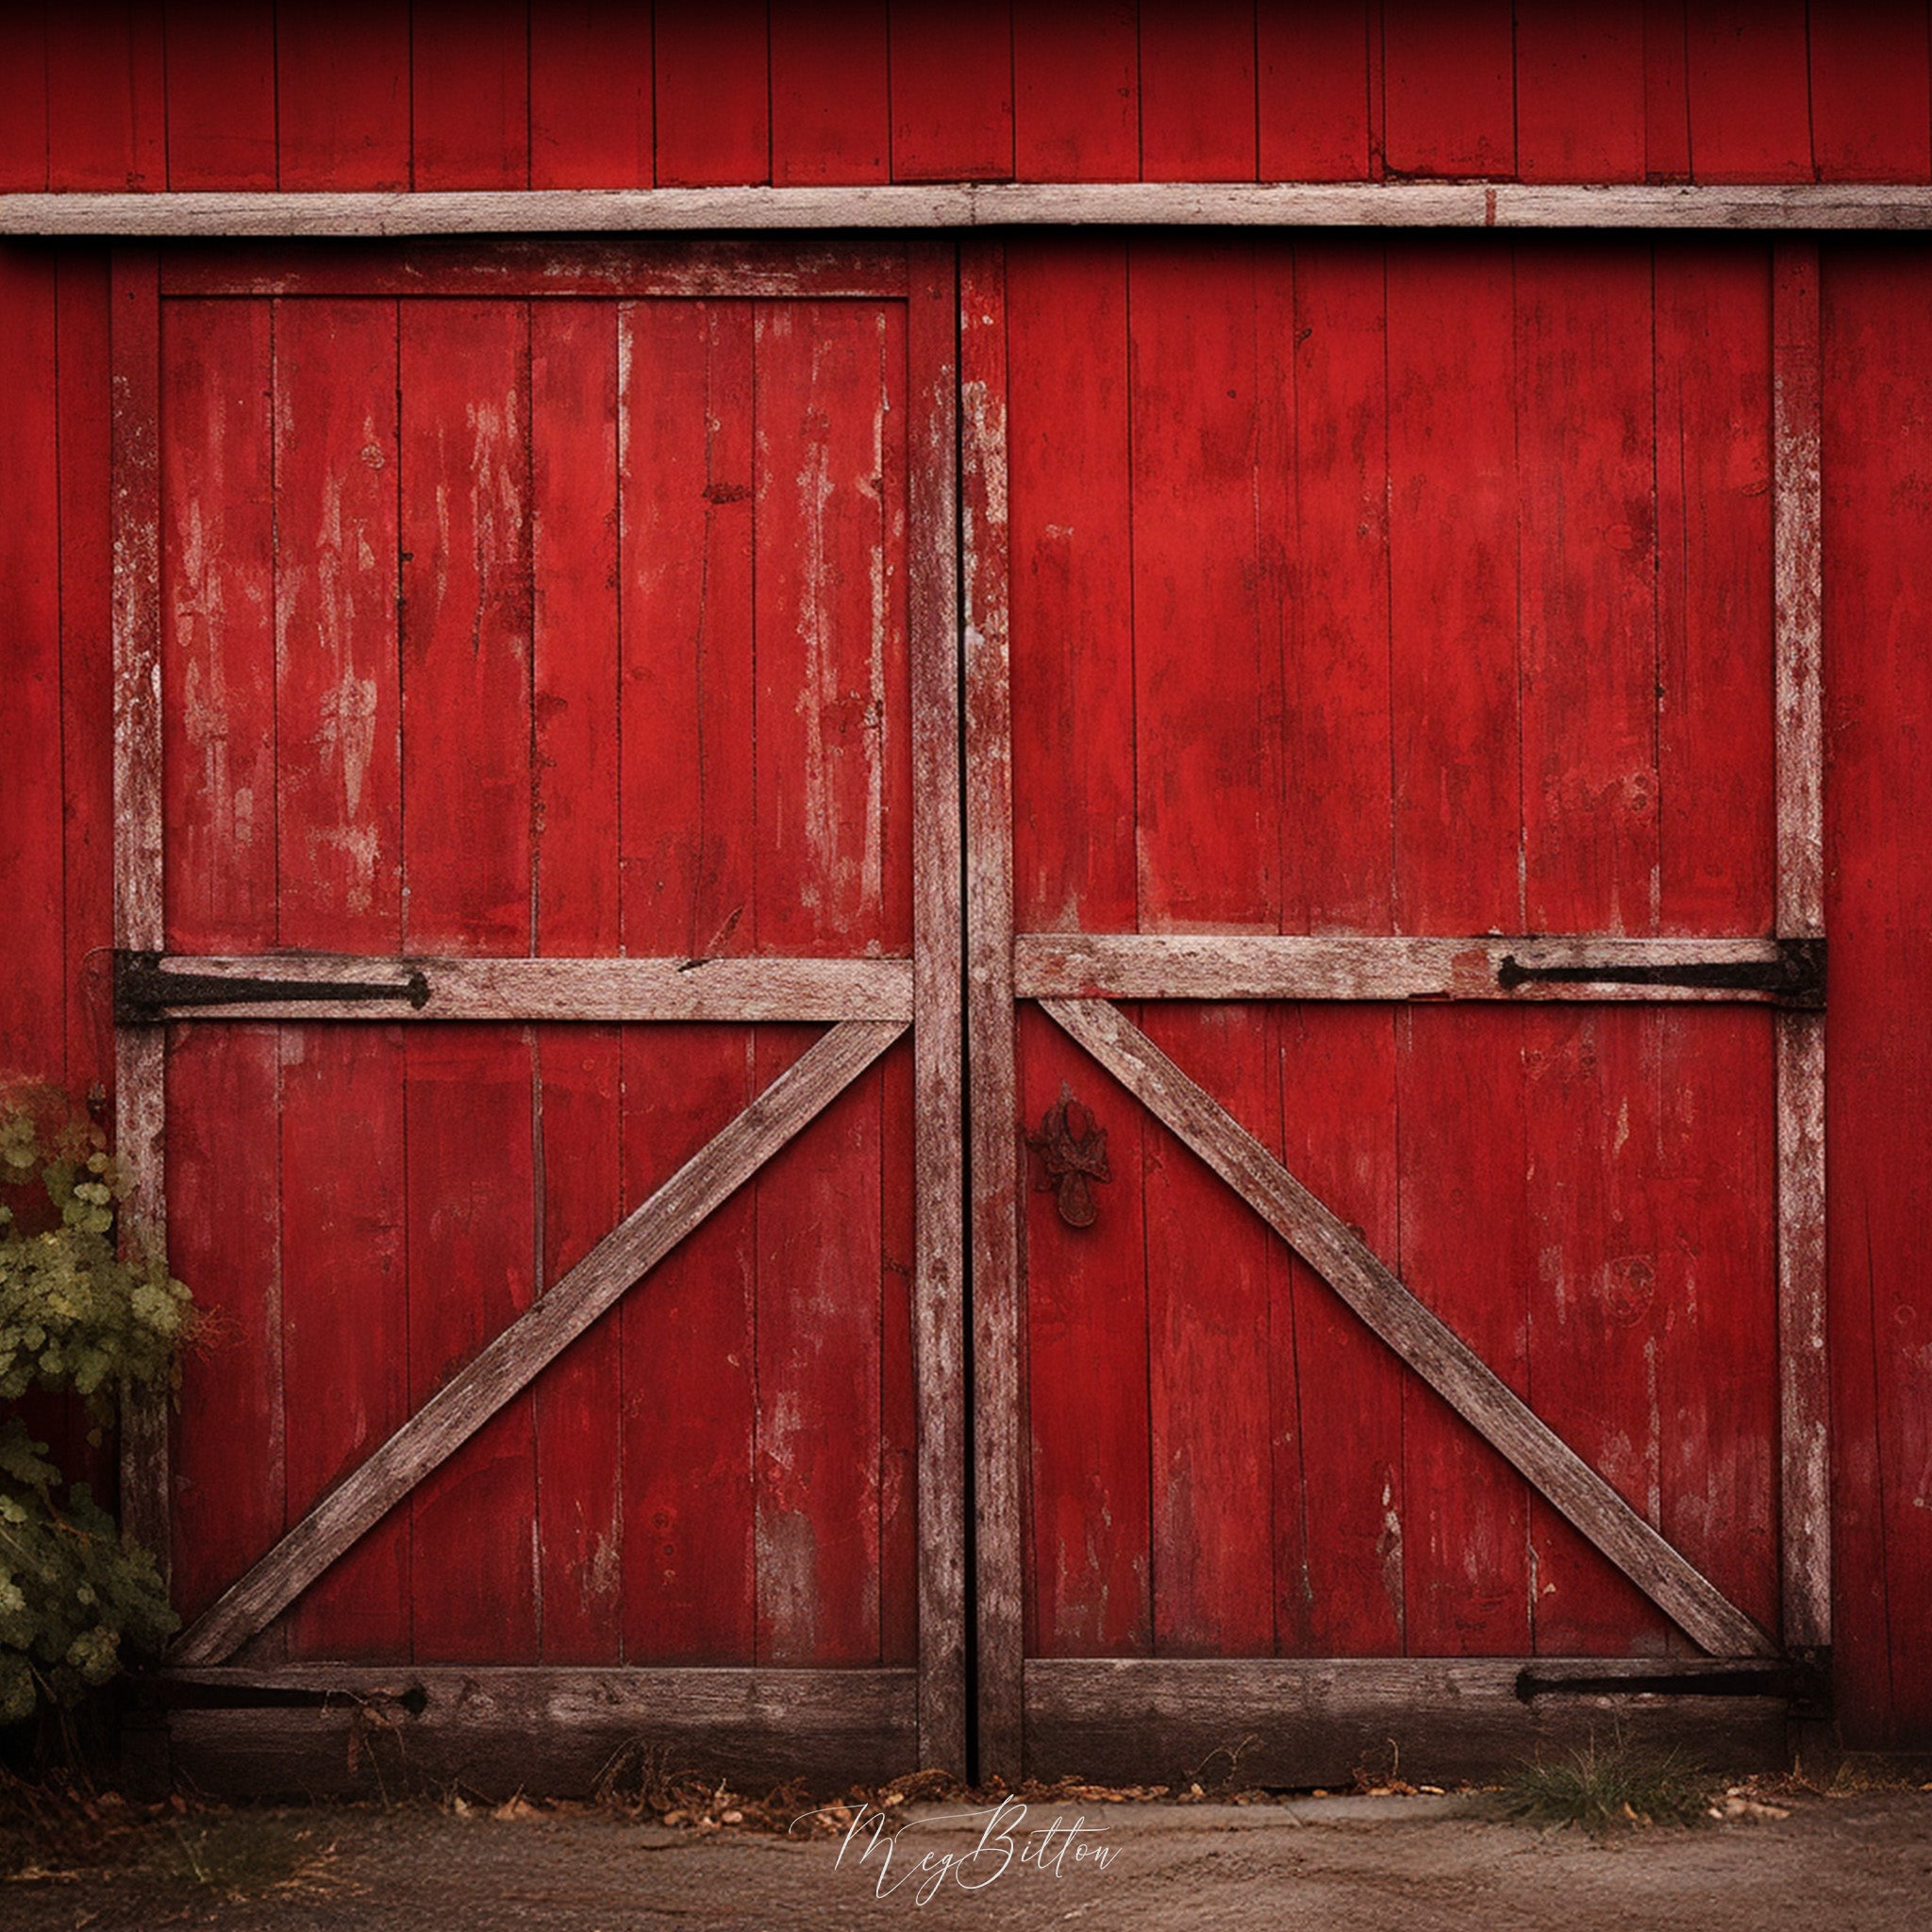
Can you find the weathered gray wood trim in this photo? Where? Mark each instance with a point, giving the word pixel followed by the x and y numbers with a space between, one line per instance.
pixel 992 1072
pixel 548 1731
pixel 736 989
pixel 534 1339
pixel 977 204
pixel 938 1274
pixel 1804 1366
pixel 1212 966
pixel 140 1056
pixel 1422 1340
pixel 1295 1722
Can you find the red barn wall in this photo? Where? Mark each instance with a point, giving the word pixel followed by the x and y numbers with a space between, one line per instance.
pixel 497 94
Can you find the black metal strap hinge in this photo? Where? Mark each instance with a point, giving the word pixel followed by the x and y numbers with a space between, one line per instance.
pixel 1794 978
pixel 146 991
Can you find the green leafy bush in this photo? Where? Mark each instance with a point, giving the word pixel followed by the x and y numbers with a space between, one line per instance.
pixel 74 1316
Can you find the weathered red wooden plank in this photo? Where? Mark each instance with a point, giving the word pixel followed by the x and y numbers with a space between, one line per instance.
pixel 1449 86
pixel 899 1383
pixel 1089 1567
pixel 1207 685
pixel 221 96
pixel 469 94
pixel 685 416
pixel 1666 93
pixel 106 115
pixel 1580 104
pixel 1312 80
pixel 345 1318
pixel 23 134
pixel 1073 687
pixel 1452 600
pixel 225 1197
pixel 1714 515
pixel 33 1025
pixel 834 753
pixel 1208 1367
pixel 578 1070
pixel 1749 90
pixel 87 746
pixel 1197 91
pixel 218 628
pixel 1076 92
pixel 1870 83
pixel 343 95
pixel 713 90
pixel 831 104
pixel 952 92
pixel 591 108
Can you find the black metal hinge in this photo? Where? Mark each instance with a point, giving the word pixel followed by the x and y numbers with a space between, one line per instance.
pixel 1794 978
pixel 145 990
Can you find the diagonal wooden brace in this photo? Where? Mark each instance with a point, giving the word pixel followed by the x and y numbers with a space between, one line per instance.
pixel 1422 1340
pixel 535 1339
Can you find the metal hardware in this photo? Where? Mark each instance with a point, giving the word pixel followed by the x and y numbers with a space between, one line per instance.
pixel 145 990
pixel 1074 1150
pixel 1794 978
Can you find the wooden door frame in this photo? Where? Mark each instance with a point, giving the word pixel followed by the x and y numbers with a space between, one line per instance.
pixel 1127 1718
pixel 833 1724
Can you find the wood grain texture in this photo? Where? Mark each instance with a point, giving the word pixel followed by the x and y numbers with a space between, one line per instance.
pixel 1212 966
pixel 1580 107
pixel 1396 204
pixel 547 1730
pixel 511 1362
pixel 1301 1724
pixel 1313 82
pixel 469 94
pixel 712 72
pixel 939 1285
pixel 1804 1367
pixel 221 96
pixel 1197 92
pixel 1076 91
pixel 1871 71
pixel 1422 1340
pixel 591 114
pixel 992 1046
pixel 343 96
pixel 831 91
pixel 952 91
pixel 1749 88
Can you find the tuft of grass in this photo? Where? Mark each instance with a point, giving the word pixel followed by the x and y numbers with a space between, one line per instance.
pixel 246 1855
pixel 1607 1788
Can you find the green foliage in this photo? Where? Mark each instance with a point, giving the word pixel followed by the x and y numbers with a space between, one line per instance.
pixel 74 1316
pixel 1612 1787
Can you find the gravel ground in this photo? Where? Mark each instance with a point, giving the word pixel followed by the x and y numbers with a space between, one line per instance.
pixel 1859 1863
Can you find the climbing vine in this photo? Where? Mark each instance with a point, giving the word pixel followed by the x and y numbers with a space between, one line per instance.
pixel 75 1316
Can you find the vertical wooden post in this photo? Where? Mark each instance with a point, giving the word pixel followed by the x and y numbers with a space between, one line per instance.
pixel 998 1397
pixel 140 1051
pixel 939 1266
pixel 1805 1387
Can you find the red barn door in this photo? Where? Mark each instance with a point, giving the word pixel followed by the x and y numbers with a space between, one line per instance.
pixel 539 915
pixel 1393 780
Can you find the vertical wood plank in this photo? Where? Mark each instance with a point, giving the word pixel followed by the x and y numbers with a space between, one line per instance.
pixel 686 810
pixel 713 94
pixel 1797 509
pixel 1449 84
pixel 1076 92
pixel 469 94
pixel 1871 87
pixel 1749 90
pixel 467 720
pixel 1197 92
pixel 107 113
pixel 952 92
pixel 1580 107
pixel 339 839
pixel 24 133
pixel 343 95
pixel 577 1402
pixel 1666 93
pixel 999 1397
pixel 940 1287
pixel 1312 77
pixel 591 123
pixel 220 96
pixel 831 102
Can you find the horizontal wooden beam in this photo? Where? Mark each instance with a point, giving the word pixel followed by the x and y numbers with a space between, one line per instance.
pixel 548 1731
pixel 336 986
pixel 1421 1338
pixel 534 1339
pixel 1302 1722
pixel 976 205
pixel 1572 966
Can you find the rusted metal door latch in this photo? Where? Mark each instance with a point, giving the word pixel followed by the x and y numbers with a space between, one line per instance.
pixel 1074 1149
pixel 145 989
pixel 1794 978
